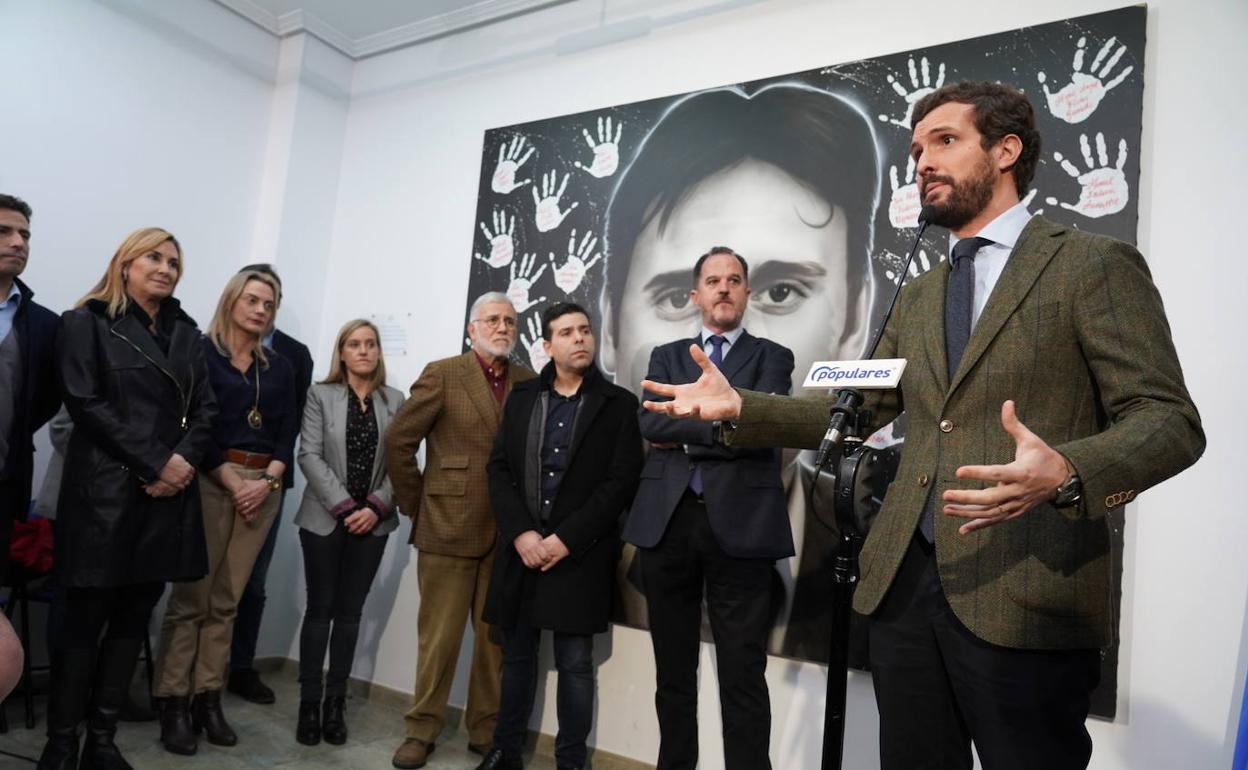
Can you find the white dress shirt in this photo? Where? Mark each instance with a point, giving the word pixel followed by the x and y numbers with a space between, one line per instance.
pixel 990 260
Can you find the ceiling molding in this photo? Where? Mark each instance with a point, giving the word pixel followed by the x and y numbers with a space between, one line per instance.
pixel 300 21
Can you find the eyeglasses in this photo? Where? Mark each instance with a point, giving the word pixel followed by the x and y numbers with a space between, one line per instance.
pixel 494 321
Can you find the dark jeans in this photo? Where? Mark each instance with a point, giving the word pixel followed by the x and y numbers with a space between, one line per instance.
pixel 738 602
pixel 251 606
pixel 339 569
pixel 939 687
pixel 574 660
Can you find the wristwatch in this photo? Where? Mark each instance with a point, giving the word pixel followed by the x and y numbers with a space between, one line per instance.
pixel 1069 492
pixel 274 482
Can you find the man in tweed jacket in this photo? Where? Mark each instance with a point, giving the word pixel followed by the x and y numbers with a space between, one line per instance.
pixel 1066 401
pixel 454 408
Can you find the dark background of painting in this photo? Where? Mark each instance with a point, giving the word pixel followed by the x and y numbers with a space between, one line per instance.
pixel 1014 57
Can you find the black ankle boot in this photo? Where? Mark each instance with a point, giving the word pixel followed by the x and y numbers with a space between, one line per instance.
pixel 177 734
pixel 308 731
pixel 67 703
pixel 334 725
pixel 114 669
pixel 206 715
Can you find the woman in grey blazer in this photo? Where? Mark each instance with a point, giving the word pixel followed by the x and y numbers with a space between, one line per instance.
pixel 346 514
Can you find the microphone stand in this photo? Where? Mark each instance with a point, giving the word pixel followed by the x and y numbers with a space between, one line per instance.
pixel 860 471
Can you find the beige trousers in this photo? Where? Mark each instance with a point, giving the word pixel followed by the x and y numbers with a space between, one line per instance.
pixel 452 589
pixel 199 621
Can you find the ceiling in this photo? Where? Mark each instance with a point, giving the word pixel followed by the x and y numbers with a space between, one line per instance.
pixel 360 28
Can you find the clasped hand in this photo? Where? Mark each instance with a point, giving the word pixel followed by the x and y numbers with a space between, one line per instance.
pixel 248 495
pixel 539 552
pixel 1033 478
pixel 175 476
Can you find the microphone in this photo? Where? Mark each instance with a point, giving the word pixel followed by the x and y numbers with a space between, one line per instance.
pixel 845 410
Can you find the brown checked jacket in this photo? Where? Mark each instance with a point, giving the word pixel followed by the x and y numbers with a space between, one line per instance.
pixel 452 410
pixel 1075 333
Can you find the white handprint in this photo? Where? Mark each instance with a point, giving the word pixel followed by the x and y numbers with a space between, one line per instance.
pixel 1083 94
pixel 918 266
pixel 606 149
pixel 920 84
pixel 510 160
pixel 502 241
pixel 1104 188
pixel 546 211
pixel 569 276
pixel 522 282
pixel 533 344
pixel 1028 198
pixel 903 208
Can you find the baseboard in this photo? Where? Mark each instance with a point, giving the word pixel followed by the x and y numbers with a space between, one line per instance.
pixel 540 743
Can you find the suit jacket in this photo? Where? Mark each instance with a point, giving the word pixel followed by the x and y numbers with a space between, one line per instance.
pixel 575 595
pixel 37 397
pixel 1076 334
pixel 452 410
pixel 742 488
pixel 323 459
pixel 300 359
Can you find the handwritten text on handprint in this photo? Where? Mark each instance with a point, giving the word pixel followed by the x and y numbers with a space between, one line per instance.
pixel 1079 98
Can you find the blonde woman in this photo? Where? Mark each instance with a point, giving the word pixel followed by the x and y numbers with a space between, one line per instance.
pixel 346 514
pixel 252 443
pixel 135 382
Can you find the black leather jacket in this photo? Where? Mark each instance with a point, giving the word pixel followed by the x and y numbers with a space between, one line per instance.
pixel 133 407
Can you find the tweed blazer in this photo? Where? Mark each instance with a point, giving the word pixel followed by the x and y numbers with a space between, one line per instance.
pixel 323 459
pixel 1075 333
pixel 451 409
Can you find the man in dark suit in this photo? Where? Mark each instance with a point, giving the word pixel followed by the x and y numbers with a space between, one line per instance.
pixel 987 619
pixel 244 680
pixel 28 392
pixel 562 472
pixel 706 514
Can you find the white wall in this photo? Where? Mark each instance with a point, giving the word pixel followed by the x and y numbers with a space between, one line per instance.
pixel 120 115
pixel 405 226
pixel 360 182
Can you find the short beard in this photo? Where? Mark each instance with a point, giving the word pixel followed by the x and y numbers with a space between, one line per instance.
pixel 966 199
pixel 495 351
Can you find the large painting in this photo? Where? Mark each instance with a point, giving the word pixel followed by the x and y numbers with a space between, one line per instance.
pixel 808 176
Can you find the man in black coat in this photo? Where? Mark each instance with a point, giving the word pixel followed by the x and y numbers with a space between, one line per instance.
pixel 244 680
pixel 563 469
pixel 28 393
pixel 709 515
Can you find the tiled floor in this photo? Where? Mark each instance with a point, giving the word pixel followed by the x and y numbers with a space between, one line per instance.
pixel 266 738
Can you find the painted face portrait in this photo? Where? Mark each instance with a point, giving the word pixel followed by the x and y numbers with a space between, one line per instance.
pixel 796 243
pixel 787 179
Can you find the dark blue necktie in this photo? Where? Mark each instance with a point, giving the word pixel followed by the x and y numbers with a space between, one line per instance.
pixel 717 358
pixel 959 310
pixel 960 299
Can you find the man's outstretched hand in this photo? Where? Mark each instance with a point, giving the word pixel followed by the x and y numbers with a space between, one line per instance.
pixel 1033 478
pixel 710 398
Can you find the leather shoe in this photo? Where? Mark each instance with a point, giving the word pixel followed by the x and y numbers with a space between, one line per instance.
pixel 177 734
pixel 412 754
pixel 206 715
pixel 334 725
pixel 497 760
pixel 308 730
pixel 246 684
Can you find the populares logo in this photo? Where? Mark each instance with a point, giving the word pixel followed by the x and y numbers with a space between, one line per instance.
pixel 882 373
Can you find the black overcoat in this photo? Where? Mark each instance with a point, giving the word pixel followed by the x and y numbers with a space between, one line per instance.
pixel 37 399
pixel 133 407
pixel 575 595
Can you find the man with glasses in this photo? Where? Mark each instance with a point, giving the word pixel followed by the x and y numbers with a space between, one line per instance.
pixel 454 409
